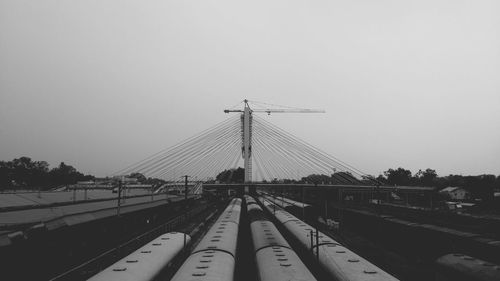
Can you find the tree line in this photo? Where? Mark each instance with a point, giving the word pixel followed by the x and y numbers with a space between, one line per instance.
pixel 429 177
pixel 479 186
pixel 25 173
pixel 398 177
pixel 145 180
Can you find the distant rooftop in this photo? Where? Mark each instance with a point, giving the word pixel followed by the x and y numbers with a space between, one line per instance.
pixel 450 189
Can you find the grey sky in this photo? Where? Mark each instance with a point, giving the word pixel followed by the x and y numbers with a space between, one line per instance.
pixel 102 84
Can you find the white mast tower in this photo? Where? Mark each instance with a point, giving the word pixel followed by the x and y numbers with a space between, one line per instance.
pixel 246 128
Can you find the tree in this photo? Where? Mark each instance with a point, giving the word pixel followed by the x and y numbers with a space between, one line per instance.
pixel 28 173
pixel 65 174
pixel 140 177
pixel 317 179
pixel 5 174
pixel 454 180
pixel 381 179
pixel 481 187
pixel 399 176
pixel 154 181
pixel 345 178
pixel 426 178
pixel 231 176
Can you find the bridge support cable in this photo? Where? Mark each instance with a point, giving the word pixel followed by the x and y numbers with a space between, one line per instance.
pixel 295 160
pixel 262 172
pixel 169 150
pixel 277 158
pixel 304 151
pixel 174 151
pixel 227 160
pixel 276 154
pixel 199 156
pixel 273 167
pixel 292 155
pixel 207 151
pixel 273 156
pixel 307 164
pixel 206 159
pixel 193 151
pixel 296 154
pixel 317 151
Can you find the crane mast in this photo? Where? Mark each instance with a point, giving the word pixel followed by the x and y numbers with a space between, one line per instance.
pixel 246 130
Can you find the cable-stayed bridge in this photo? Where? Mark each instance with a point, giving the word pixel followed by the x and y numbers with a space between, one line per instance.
pixel 266 152
pixel 91 236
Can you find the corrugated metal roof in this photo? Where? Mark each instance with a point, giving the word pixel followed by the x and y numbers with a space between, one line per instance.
pixel 69 215
pixel 450 189
pixel 36 215
pixel 51 197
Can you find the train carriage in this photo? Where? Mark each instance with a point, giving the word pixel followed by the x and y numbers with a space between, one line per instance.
pixel 275 259
pixel 214 258
pixel 147 262
pixel 337 261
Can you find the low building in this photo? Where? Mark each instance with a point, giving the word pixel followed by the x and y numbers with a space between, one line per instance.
pixel 455 193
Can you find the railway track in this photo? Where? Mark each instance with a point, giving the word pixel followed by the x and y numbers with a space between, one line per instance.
pixel 282 246
pixel 412 249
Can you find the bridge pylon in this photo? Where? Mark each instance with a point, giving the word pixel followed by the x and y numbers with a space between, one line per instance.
pixel 246 133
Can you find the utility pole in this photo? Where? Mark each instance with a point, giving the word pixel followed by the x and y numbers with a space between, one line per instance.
pixel 186 187
pixel 317 242
pixel 186 194
pixel 303 203
pixel 341 214
pixel 326 204
pixel 119 196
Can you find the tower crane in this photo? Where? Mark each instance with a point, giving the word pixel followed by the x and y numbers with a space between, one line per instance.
pixel 246 120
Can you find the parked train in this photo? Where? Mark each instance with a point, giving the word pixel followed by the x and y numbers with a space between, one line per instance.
pixel 147 262
pixel 214 257
pixel 275 259
pixel 337 261
pixel 439 239
pixel 301 209
pixel 458 267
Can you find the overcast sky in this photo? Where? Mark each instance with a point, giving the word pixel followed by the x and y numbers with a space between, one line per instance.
pixel 102 84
